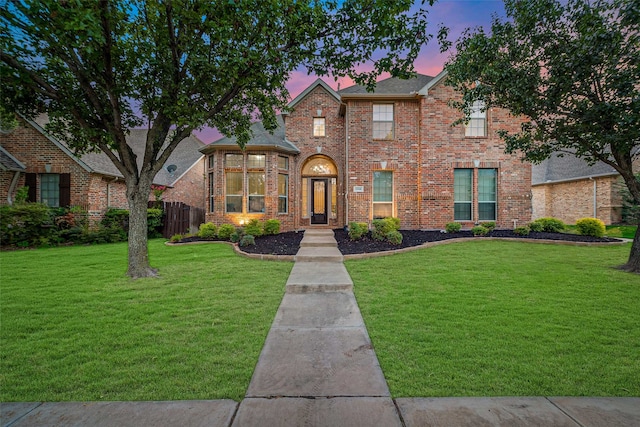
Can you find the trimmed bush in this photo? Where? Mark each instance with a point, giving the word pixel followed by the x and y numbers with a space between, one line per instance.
pixel 225 231
pixel 208 230
pixel 479 230
pixel 453 227
pixel 590 227
pixel 176 238
pixel 154 222
pixel 489 225
pixel 28 224
pixel 237 235
pixel 254 227
pixel 247 240
pixel 523 230
pixel 271 226
pixel 394 237
pixel 382 227
pixel 547 224
pixel 357 230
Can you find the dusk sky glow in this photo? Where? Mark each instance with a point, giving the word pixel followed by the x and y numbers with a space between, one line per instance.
pixel 457 15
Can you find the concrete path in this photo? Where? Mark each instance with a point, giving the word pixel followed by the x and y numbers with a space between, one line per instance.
pixel 318 368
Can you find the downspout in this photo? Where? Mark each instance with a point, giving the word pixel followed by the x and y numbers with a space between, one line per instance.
pixel 12 187
pixel 109 191
pixel 346 167
pixel 595 197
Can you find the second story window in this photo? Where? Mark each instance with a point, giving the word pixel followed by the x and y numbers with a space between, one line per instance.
pixel 319 126
pixel 477 124
pixel 382 121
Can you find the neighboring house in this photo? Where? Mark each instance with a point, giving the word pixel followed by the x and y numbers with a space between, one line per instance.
pixel 29 156
pixel 568 188
pixel 351 155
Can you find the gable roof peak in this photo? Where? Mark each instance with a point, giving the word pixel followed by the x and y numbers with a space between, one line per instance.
pixel 312 86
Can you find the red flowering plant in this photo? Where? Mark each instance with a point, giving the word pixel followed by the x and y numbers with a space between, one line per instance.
pixel 158 191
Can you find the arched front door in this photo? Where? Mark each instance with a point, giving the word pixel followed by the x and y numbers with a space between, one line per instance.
pixel 319 179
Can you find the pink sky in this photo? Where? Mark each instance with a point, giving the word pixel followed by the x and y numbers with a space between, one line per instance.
pixel 455 14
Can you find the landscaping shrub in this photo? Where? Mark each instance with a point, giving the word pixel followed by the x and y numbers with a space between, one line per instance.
pixel 28 224
pixel 115 217
pixel 254 227
pixel 176 238
pixel 489 225
pixel 237 235
pixel 394 237
pixel 590 227
pixel 208 230
pixel 453 227
pixel 547 224
pixel 357 230
pixel 247 240
pixel 103 235
pixel 523 230
pixel 382 227
pixel 225 231
pixel 271 226
pixel 154 222
pixel 479 230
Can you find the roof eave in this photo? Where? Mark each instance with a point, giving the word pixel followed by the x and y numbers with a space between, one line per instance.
pixel 425 90
pixel 577 178
pixel 209 149
pixel 380 97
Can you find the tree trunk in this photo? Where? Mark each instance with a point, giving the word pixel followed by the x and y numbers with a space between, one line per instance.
pixel 633 263
pixel 138 199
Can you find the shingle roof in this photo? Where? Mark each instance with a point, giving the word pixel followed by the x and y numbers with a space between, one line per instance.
pixel 391 86
pixel 10 163
pixel 186 154
pixel 261 138
pixel 567 168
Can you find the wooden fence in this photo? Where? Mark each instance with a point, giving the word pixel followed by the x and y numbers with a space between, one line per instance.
pixel 179 218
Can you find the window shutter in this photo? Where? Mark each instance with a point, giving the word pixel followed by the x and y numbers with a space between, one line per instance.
pixel 65 189
pixel 30 181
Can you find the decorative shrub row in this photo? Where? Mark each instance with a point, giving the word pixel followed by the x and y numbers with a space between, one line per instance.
pixel 385 229
pixel 244 236
pixel 36 224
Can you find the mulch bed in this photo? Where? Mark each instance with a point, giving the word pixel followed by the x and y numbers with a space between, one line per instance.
pixel 288 243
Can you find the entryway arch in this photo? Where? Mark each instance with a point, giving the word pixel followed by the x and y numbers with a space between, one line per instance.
pixel 319 190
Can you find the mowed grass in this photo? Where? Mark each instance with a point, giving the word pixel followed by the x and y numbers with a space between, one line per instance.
pixel 492 318
pixel 74 327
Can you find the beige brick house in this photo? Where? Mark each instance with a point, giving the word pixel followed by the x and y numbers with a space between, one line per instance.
pixel 29 156
pixel 568 188
pixel 351 155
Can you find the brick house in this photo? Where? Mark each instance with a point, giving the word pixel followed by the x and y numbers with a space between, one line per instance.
pixel 29 156
pixel 568 188
pixel 352 155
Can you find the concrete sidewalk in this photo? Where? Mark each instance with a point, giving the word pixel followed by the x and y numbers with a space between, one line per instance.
pixel 318 368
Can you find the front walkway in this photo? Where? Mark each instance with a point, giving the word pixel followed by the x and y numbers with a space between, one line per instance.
pixel 318 368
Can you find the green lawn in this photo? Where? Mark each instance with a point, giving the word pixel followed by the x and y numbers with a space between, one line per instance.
pixel 494 318
pixel 73 327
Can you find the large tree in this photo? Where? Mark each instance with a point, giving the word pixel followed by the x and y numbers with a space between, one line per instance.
pixel 572 69
pixel 99 68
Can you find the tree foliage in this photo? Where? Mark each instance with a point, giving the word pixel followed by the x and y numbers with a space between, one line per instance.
pixel 572 69
pixel 99 68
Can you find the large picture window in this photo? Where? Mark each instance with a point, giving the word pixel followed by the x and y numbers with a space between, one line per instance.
pixel 256 192
pixel 462 194
pixel 477 124
pixel 382 121
pixel 487 189
pixel 382 194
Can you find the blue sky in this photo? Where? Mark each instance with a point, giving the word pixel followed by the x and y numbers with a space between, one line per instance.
pixel 455 14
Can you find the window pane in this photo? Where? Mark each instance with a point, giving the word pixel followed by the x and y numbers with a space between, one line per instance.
pixel 283 163
pixel 318 126
pixel 211 162
pixel 305 197
pixel 486 211
pixel 50 189
pixel 462 185
pixel 211 202
pixel 233 160
pixel 478 120
pixel 256 161
pixel 383 121
pixel 256 192
pixel 334 198
pixel 382 210
pixel 462 194
pixel 462 211
pixel 319 166
pixel 487 194
pixel 283 193
pixel 234 191
pixel 382 186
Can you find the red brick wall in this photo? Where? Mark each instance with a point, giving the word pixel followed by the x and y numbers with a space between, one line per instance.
pixel 190 188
